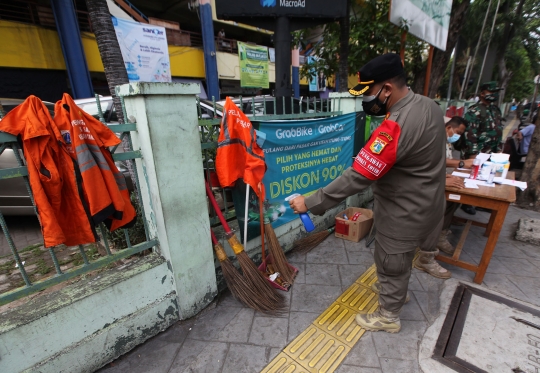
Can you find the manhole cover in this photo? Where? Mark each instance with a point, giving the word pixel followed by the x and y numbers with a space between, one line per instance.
pixel 484 332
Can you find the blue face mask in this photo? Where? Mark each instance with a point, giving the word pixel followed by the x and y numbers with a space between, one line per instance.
pixel 452 139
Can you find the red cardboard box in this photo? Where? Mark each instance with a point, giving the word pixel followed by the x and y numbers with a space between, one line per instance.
pixel 357 225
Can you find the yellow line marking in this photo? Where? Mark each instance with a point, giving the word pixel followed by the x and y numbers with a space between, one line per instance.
pixel 345 326
pixel 278 365
pixel 286 362
pixel 328 315
pixel 338 319
pixel 321 353
pixel 332 359
pixel 367 301
pixel 311 347
pixel 303 340
pixel 349 293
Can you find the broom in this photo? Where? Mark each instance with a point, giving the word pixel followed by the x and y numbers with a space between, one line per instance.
pixel 308 243
pixel 237 284
pixel 252 275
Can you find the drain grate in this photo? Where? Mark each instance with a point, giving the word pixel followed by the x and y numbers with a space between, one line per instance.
pixel 453 345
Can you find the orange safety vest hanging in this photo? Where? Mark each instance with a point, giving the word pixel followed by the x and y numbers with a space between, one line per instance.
pixel 52 175
pixel 87 141
pixel 238 154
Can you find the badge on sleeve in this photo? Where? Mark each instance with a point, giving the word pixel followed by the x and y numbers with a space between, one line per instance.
pixel 372 162
pixel 377 146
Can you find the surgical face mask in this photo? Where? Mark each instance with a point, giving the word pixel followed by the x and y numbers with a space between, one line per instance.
pixel 491 97
pixel 372 105
pixel 452 139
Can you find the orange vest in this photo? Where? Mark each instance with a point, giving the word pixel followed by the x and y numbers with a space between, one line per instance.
pixel 52 175
pixel 238 154
pixel 87 141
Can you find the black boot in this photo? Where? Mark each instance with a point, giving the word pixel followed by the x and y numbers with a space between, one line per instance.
pixel 469 209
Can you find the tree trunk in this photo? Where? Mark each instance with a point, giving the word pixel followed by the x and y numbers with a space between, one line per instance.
pixel 109 49
pixel 344 28
pixel 530 197
pixel 441 58
pixel 508 34
pixel 111 57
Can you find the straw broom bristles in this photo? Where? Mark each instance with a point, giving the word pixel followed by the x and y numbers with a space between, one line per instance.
pixel 307 244
pixel 254 276
pixel 238 285
pixel 279 260
pixel 251 273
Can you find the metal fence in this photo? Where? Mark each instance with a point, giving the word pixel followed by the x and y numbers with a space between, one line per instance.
pixel 260 108
pixel 88 262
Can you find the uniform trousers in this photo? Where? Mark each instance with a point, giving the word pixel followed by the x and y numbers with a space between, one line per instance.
pixel 451 208
pixel 393 259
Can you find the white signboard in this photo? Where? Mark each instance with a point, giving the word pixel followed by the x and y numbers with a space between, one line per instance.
pixel 144 50
pixel 427 19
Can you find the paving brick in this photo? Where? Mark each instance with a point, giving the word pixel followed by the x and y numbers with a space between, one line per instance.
pixel 412 310
pixel 322 274
pixel 360 257
pixel 208 326
pixel 403 344
pixel 355 369
pixel 363 354
pixel 199 357
pixel 244 359
pixel 329 252
pixel 237 330
pixel 313 298
pixel 350 273
pixel 502 284
pixel 270 332
pixel 401 366
pixel 298 322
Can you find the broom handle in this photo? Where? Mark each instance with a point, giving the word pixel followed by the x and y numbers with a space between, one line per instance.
pixel 246 215
pixel 214 239
pixel 217 209
pixel 261 221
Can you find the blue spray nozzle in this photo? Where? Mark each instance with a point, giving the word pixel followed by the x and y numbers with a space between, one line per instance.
pixel 304 217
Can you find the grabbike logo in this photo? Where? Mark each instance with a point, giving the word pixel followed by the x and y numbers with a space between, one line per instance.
pixel 284 3
pixel 306 131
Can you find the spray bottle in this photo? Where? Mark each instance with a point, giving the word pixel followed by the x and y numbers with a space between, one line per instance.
pixel 308 224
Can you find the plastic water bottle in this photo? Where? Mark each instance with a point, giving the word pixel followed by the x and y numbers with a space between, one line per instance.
pixel 306 220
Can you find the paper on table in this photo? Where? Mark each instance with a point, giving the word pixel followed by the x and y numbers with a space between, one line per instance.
pixel 483 157
pixel 479 182
pixel 520 184
pixel 463 169
pixel 470 184
pixel 460 174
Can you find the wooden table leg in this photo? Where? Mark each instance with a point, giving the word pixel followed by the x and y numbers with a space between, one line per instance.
pixel 490 223
pixel 494 229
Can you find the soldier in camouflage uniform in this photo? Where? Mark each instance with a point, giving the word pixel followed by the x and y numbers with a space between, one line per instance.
pixel 484 134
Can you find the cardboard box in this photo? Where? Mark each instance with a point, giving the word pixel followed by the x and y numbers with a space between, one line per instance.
pixel 357 226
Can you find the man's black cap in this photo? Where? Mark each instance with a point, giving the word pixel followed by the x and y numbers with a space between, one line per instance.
pixel 490 86
pixel 377 70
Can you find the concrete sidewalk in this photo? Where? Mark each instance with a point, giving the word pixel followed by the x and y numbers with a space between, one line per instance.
pixel 228 337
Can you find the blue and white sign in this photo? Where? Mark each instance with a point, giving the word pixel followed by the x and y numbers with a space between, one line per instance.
pixel 144 50
pixel 303 156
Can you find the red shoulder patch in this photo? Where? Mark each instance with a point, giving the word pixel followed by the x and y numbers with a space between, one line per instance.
pixel 379 154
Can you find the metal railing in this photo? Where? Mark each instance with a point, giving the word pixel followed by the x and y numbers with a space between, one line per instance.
pixel 260 108
pixel 87 265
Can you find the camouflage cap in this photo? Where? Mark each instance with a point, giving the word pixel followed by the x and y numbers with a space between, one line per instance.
pixel 490 86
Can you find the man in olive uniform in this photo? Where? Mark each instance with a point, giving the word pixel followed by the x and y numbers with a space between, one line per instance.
pixel 484 134
pixel 404 160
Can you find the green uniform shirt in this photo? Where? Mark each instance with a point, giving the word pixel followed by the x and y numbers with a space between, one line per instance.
pixel 484 133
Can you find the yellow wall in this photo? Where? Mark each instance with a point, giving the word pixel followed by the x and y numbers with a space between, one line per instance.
pixel 33 47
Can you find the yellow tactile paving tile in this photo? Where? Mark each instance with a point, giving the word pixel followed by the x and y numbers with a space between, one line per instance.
pixel 338 321
pixel 368 278
pixel 317 351
pixel 283 363
pixel 326 342
pixel 359 298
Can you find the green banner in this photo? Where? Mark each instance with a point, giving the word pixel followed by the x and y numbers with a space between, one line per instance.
pixel 253 65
